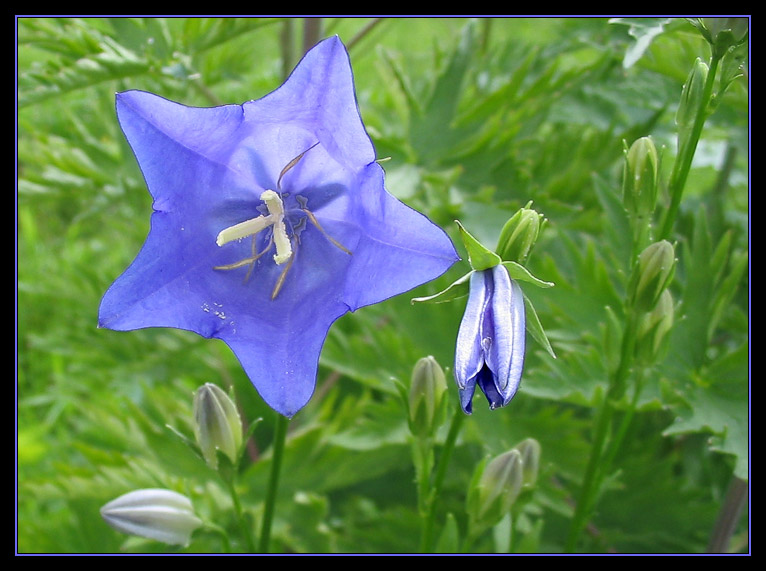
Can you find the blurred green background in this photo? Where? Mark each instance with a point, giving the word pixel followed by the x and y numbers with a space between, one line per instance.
pixel 478 117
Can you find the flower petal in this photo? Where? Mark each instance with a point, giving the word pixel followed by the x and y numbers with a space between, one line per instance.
pixel 505 355
pixel 469 355
pixel 320 95
pixel 207 169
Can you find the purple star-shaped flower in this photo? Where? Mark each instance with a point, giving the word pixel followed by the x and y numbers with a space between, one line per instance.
pixel 270 221
pixel 491 339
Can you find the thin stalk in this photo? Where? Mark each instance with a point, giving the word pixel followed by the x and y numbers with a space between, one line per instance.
pixel 426 539
pixel 683 163
pixel 728 518
pixel 244 527
pixel 280 435
pixel 593 476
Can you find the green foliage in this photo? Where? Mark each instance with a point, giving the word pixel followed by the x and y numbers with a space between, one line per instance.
pixel 479 117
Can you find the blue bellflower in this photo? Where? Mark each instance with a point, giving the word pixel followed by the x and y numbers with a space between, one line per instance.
pixel 491 339
pixel 270 221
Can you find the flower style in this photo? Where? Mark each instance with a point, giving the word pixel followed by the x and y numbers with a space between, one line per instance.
pixel 270 221
pixel 491 339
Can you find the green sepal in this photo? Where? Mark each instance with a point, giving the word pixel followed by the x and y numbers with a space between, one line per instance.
pixel 535 328
pixel 519 272
pixel 479 256
pixel 457 289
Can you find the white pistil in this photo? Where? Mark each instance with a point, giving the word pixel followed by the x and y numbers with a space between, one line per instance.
pixel 275 218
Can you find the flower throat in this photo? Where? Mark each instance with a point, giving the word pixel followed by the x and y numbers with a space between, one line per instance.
pixel 284 244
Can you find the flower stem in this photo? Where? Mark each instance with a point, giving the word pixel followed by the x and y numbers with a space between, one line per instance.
pixel 683 162
pixel 246 531
pixel 426 538
pixel 596 468
pixel 280 434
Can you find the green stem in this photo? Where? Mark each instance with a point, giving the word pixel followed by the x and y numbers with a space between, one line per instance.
pixel 426 539
pixel 683 163
pixel 280 434
pixel 245 528
pixel 593 475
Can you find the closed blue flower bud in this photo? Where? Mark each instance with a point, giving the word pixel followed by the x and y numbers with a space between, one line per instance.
pixel 491 339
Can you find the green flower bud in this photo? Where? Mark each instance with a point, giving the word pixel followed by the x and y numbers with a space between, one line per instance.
pixel 217 425
pixel 651 275
pixel 427 390
pixel 519 235
pixel 163 515
pixel 692 97
pixel 492 494
pixel 640 178
pixel 653 330
pixel 723 33
pixel 530 461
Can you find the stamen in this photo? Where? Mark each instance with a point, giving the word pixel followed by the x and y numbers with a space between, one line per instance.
pixel 333 241
pixel 282 276
pixel 291 164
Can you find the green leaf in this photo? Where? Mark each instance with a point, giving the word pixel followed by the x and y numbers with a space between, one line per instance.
pixel 479 256
pixel 644 30
pixel 449 539
pixel 535 328
pixel 457 289
pixel 519 272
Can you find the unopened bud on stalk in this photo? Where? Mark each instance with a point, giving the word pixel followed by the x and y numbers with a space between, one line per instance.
pixel 492 494
pixel 217 425
pixel 162 515
pixel 640 177
pixel 530 461
pixel 723 33
pixel 427 391
pixel 692 97
pixel 651 275
pixel 519 235
pixel 653 330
